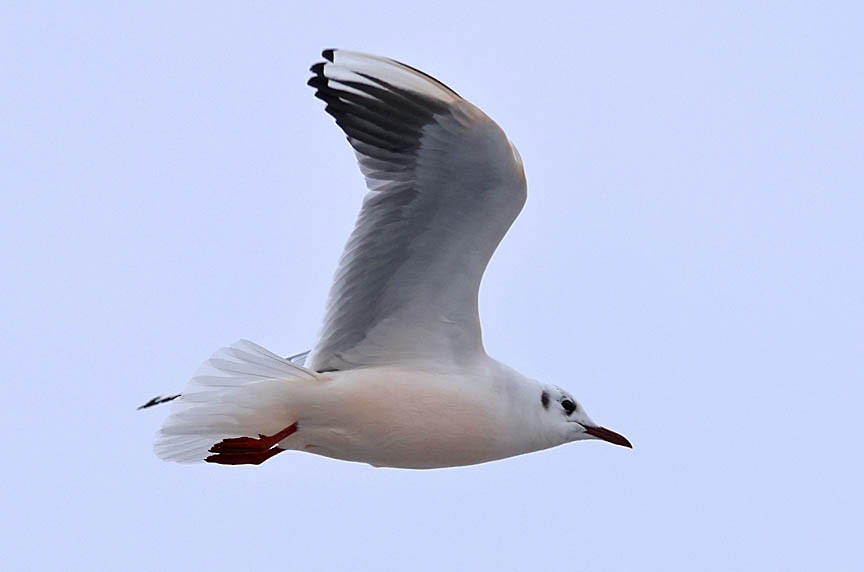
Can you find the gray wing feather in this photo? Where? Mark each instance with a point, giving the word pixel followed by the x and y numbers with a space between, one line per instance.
pixel 444 183
pixel 299 359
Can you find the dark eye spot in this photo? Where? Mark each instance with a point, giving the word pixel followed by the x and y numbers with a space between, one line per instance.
pixel 568 406
pixel 544 399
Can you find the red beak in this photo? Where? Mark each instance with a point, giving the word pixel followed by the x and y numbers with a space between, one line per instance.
pixel 607 435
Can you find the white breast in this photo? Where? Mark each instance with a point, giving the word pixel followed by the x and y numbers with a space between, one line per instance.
pixel 404 418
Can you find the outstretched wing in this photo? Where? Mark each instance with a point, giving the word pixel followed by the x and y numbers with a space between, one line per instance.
pixel 444 184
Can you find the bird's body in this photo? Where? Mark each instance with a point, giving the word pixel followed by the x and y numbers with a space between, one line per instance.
pixel 399 376
pixel 433 418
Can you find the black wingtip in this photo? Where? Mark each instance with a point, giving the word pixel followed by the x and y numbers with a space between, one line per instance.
pixel 159 400
pixel 328 55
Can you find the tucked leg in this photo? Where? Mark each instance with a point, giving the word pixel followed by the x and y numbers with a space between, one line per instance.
pixel 248 458
pixel 249 450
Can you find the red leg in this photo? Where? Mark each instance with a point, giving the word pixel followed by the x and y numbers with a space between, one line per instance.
pixel 249 450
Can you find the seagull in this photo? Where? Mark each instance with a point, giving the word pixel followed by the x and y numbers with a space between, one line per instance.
pixel 399 376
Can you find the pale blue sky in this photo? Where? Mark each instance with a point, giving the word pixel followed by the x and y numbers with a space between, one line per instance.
pixel 689 265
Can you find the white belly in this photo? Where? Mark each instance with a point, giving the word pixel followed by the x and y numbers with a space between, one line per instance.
pixel 393 418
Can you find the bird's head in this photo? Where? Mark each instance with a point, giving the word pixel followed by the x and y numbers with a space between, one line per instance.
pixel 570 420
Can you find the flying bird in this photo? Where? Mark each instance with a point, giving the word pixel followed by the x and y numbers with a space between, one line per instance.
pixel 399 376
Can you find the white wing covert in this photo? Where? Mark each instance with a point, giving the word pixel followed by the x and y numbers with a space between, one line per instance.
pixel 444 184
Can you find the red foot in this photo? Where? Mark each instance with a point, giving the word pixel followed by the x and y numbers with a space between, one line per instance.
pixel 248 450
pixel 243 458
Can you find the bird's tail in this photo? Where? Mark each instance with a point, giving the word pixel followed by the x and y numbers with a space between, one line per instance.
pixel 242 391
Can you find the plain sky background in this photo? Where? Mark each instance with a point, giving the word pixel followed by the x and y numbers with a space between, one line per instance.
pixel 689 265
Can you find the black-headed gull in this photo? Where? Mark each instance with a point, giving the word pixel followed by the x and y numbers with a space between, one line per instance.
pixel 399 376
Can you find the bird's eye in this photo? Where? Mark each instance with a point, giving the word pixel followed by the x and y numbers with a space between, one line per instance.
pixel 568 406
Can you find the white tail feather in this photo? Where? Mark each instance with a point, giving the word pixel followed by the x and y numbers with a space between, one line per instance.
pixel 241 391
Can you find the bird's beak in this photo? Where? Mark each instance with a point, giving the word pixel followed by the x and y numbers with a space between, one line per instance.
pixel 608 435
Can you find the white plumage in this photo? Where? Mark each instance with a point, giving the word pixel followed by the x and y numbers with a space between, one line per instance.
pixel 399 376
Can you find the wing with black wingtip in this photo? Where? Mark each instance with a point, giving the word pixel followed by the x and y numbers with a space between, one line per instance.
pixel 444 185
